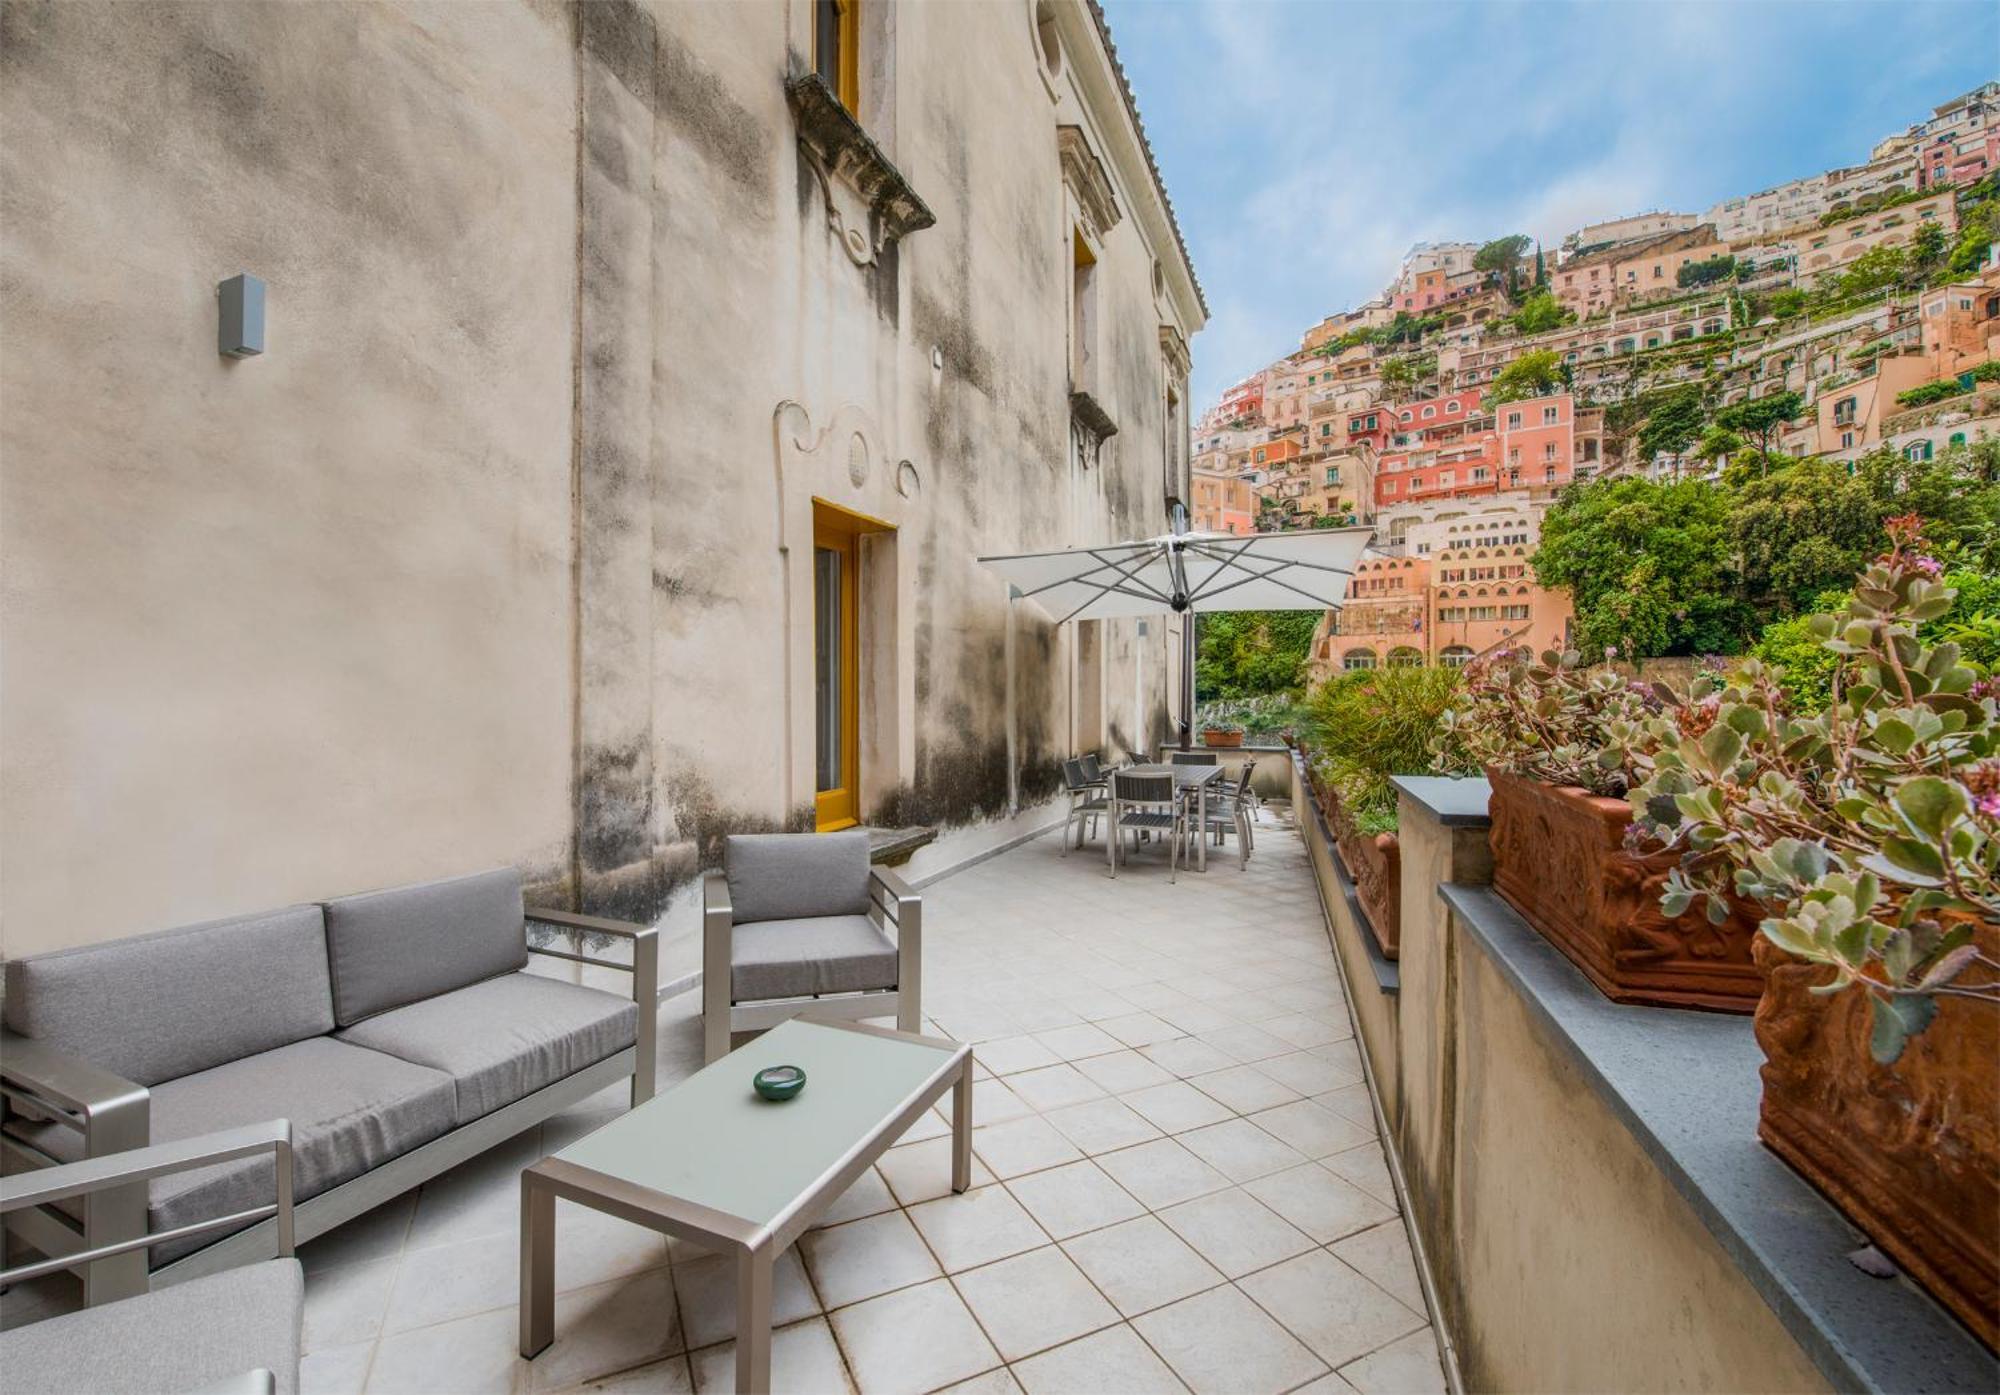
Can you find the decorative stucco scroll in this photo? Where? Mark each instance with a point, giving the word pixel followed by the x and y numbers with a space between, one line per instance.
pixel 869 205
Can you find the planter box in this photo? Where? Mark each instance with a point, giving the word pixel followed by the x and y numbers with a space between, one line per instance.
pixel 1910 1152
pixel 1559 858
pixel 1222 740
pixel 1374 865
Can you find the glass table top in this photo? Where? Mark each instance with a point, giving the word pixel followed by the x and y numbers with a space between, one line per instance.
pixel 712 1140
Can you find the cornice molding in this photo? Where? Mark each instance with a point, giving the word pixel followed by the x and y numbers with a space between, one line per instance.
pixel 1084 176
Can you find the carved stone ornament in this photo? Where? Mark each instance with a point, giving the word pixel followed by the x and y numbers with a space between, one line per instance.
pixel 1084 176
pixel 1090 418
pixel 869 205
pixel 1174 350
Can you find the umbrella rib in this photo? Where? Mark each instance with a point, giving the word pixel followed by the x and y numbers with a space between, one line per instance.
pixel 1271 575
pixel 1085 578
pixel 1068 551
pixel 1146 593
pixel 1289 562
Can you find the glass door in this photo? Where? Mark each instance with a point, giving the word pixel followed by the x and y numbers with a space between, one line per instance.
pixel 836 678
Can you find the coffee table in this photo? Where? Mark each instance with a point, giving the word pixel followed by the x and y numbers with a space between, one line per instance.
pixel 710 1161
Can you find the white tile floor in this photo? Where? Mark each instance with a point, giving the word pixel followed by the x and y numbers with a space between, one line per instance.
pixel 1178 1185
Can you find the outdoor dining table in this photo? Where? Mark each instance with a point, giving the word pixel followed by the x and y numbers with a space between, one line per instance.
pixel 1188 778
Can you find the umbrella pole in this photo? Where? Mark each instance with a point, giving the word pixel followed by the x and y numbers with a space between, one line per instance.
pixel 1187 680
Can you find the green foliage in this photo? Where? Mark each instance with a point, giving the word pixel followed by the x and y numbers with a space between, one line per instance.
pixel 1540 312
pixel 1788 303
pixel 1502 255
pixel 1923 394
pixel 1530 375
pixel 1645 563
pixel 1801 667
pixel 1868 827
pixel 1987 372
pixel 1270 717
pixel 1551 719
pixel 1368 725
pixel 1245 653
pixel 1761 416
pixel 1721 267
pixel 1872 274
pixel 1870 203
pixel 1674 423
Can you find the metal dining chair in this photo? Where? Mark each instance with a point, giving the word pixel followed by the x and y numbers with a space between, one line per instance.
pixel 1145 804
pixel 1192 758
pixel 1230 810
pixel 1087 800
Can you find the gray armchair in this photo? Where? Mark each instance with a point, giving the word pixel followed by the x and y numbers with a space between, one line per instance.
pixel 801 920
pixel 236 1330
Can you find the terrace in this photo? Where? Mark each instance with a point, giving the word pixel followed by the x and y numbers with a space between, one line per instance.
pixel 1177 1180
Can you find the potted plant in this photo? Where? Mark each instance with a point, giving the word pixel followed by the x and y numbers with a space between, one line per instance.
pixel 1367 726
pixel 1562 745
pixel 1870 832
pixel 1227 735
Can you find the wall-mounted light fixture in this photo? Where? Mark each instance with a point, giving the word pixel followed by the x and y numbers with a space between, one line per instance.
pixel 240 301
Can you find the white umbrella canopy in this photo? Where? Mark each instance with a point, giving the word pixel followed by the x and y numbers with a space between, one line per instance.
pixel 1182 571
pixel 1189 571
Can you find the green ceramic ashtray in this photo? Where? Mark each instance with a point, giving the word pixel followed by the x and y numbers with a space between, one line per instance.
pixel 779 1082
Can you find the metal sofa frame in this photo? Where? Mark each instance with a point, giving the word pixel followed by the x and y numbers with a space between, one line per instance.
pixel 113 1116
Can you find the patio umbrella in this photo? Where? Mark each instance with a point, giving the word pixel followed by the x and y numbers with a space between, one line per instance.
pixel 1185 572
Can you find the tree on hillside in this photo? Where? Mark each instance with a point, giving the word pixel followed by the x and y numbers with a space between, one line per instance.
pixel 1541 312
pixel 1402 372
pixel 1530 375
pixel 1717 446
pixel 1645 565
pixel 1707 271
pixel 1502 255
pixel 1928 249
pixel 1761 416
pixel 1673 424
pixel 1805 528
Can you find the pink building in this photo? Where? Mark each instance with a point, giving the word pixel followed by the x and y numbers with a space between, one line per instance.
pixel 1537 441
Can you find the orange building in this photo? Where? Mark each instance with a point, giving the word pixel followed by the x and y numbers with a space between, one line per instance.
pixel 1222 503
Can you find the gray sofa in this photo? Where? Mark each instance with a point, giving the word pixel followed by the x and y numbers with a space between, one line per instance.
pixel 399 1031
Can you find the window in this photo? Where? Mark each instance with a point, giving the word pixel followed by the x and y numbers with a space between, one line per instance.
pixel 1456 656
pixel 1513 420
pixel 1513 455
pixel 837 49
pixel 1549 415
pixel 1918 450
pixel 1846 439
pixel 1549 450
pixel 1478 473
pixel 1513 612
pixel 1405 657
pixel 1957 438
pixel 1429 412
pixel 1843 411
pixel 1549 475
pixel 1357 659
pixel 1083 315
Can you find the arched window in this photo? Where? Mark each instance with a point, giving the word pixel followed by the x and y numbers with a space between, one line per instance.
pixel 1958 438
pixel 1405 657
pixel 1355 659
pixel 1456 656
pixel 1918 450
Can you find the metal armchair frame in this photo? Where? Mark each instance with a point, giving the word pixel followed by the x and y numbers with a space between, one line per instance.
pixel 113 1116
pixel 892 904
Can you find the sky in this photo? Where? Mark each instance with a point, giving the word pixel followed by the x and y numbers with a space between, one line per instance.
pixel 1306 144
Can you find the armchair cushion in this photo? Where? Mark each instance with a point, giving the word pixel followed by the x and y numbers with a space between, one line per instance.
pixel 351 1110
pixel 185 1337
pixel 805 957
pixel 179 1001
pixel 503 1039
pixel 388 948
pixel 790 876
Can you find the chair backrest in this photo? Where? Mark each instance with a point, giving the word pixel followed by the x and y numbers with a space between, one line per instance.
pixel 1075 777
pixel 1193 758
pixel 796 876
pixel 1093 768
pixel 1128 787
pixel 1243 780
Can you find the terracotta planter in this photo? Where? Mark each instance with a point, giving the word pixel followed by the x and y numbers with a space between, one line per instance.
pixel 1375 865
pixel 1559 858
pixel 1911 1152
pixel 1229 740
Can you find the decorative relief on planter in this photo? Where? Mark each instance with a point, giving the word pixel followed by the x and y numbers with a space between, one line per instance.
pixel 1559 859
pixel 1910 1151
pixel 869 205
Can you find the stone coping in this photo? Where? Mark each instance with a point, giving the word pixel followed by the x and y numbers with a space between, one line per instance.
pixel 1388 978
pixel 1686 1084
pixel 1452 801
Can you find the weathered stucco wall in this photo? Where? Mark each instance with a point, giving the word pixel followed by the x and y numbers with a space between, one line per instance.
pixel 501 553
pixel 297 624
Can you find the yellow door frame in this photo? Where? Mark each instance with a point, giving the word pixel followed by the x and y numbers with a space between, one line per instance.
pixel 838 530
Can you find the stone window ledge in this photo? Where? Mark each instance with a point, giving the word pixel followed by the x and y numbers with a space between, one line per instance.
pixel 1686 1085
pixel 1090 415
pixel 869 204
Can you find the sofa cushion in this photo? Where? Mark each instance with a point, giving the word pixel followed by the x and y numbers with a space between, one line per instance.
pixel 388 948
pixel 789 876
pixel 179 1001
pixel 503 1039
pixel 185 1337
pixel 802 958
pixel 351 1110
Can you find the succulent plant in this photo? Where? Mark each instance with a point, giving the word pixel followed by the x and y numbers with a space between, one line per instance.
pixel 1870 829
pixel 1553 720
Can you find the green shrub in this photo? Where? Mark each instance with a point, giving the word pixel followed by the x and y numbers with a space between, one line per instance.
pixel 1368 725
pixel 1800 663
pixel 1924 394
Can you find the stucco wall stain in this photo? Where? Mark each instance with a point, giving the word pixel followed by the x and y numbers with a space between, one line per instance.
pixel 734 140
pixel 614 806
pixel 700 816
pixel 622 36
